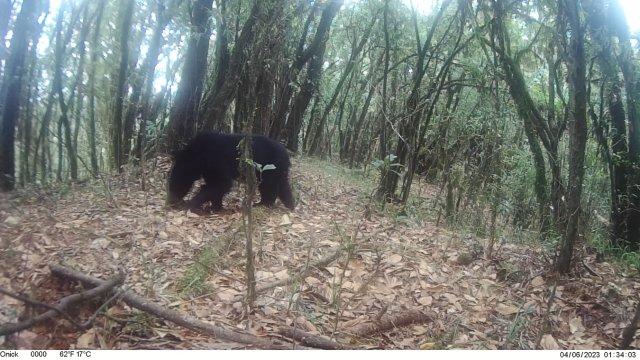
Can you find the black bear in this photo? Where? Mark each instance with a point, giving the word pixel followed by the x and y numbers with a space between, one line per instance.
pixel 214 158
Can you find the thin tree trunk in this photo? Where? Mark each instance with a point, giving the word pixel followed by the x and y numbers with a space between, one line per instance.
pixel 315 53
pixel 216 103
pixel 363 115
pixel 577 131
pixel 95 49
pixel 117 158
pixel 142 86
pixel 619 200
pixel 63 121
pixel 183 120
pixel 31 97
pixel 151 65
pixel 284 89
pixel 389 178
pixel 78 104
pixel 313 148
pixel 536 127
pixel 383 150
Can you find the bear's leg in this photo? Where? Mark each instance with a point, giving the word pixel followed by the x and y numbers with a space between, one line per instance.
pixel 268 191
pixel 219 189
pixel 204 195
pixel 284 191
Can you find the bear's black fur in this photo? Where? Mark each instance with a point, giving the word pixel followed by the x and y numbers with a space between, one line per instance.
pixel 214 158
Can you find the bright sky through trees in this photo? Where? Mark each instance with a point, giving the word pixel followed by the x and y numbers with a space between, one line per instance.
pixel 631 7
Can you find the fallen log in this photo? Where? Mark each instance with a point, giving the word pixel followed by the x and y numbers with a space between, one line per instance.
pixel 312 340
pixel 173 316
pixel 62 306
pixel 389 322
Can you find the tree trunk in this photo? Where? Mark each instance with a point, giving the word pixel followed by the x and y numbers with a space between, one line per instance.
pixel 31 98
pixel 117 158
pixel 536 127
pixel 389 177
pixel 383 150
pixel 57 87
pixel 315 53
pixel 13 77
pixel 150 69
pixel 355 53
pixel 5 17
pixel 283 88
pixel 627 61
pixel 79 86
pixel 216 101
pixel 577 131
pixel 363 115
pixel 619 200
pixel 95 49
pixel 141 87
pixel 184 114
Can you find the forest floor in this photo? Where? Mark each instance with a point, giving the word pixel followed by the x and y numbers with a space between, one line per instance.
pixel 389 266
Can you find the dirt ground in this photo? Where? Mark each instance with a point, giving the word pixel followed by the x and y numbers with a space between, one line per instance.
pixel 388 265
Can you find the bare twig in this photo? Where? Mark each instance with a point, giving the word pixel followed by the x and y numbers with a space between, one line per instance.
pixel 300 290
pixel 337 295
pixel 63 305
pixel 589 269
pixel 87 324
pixel 547 315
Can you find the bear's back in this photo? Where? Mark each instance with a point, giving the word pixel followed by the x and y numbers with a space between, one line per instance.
pixel 221 151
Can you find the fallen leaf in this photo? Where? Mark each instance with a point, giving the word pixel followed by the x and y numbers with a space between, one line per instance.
pixel 425 300
pixel 575 325
pixel 285 220
pixel 549 343
pixel 427 346
pixel 419 330
pixel 394 259
pixel 537 281
pixel 87 340
pixel 506 310
pixel 452 299
pixel 100 243
pixel 12 221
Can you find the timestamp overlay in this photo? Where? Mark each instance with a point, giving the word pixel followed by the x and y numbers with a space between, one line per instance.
pixel 317 354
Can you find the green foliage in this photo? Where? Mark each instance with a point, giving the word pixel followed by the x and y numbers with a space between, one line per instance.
pixel 193 282
pixel 387 164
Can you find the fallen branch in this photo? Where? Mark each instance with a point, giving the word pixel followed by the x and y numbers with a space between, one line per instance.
pixel 63 305
pixel 36 303
pixel 630 331
pixel 312 340
pixel 301 272
pixel 173 316
pixel 389 322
